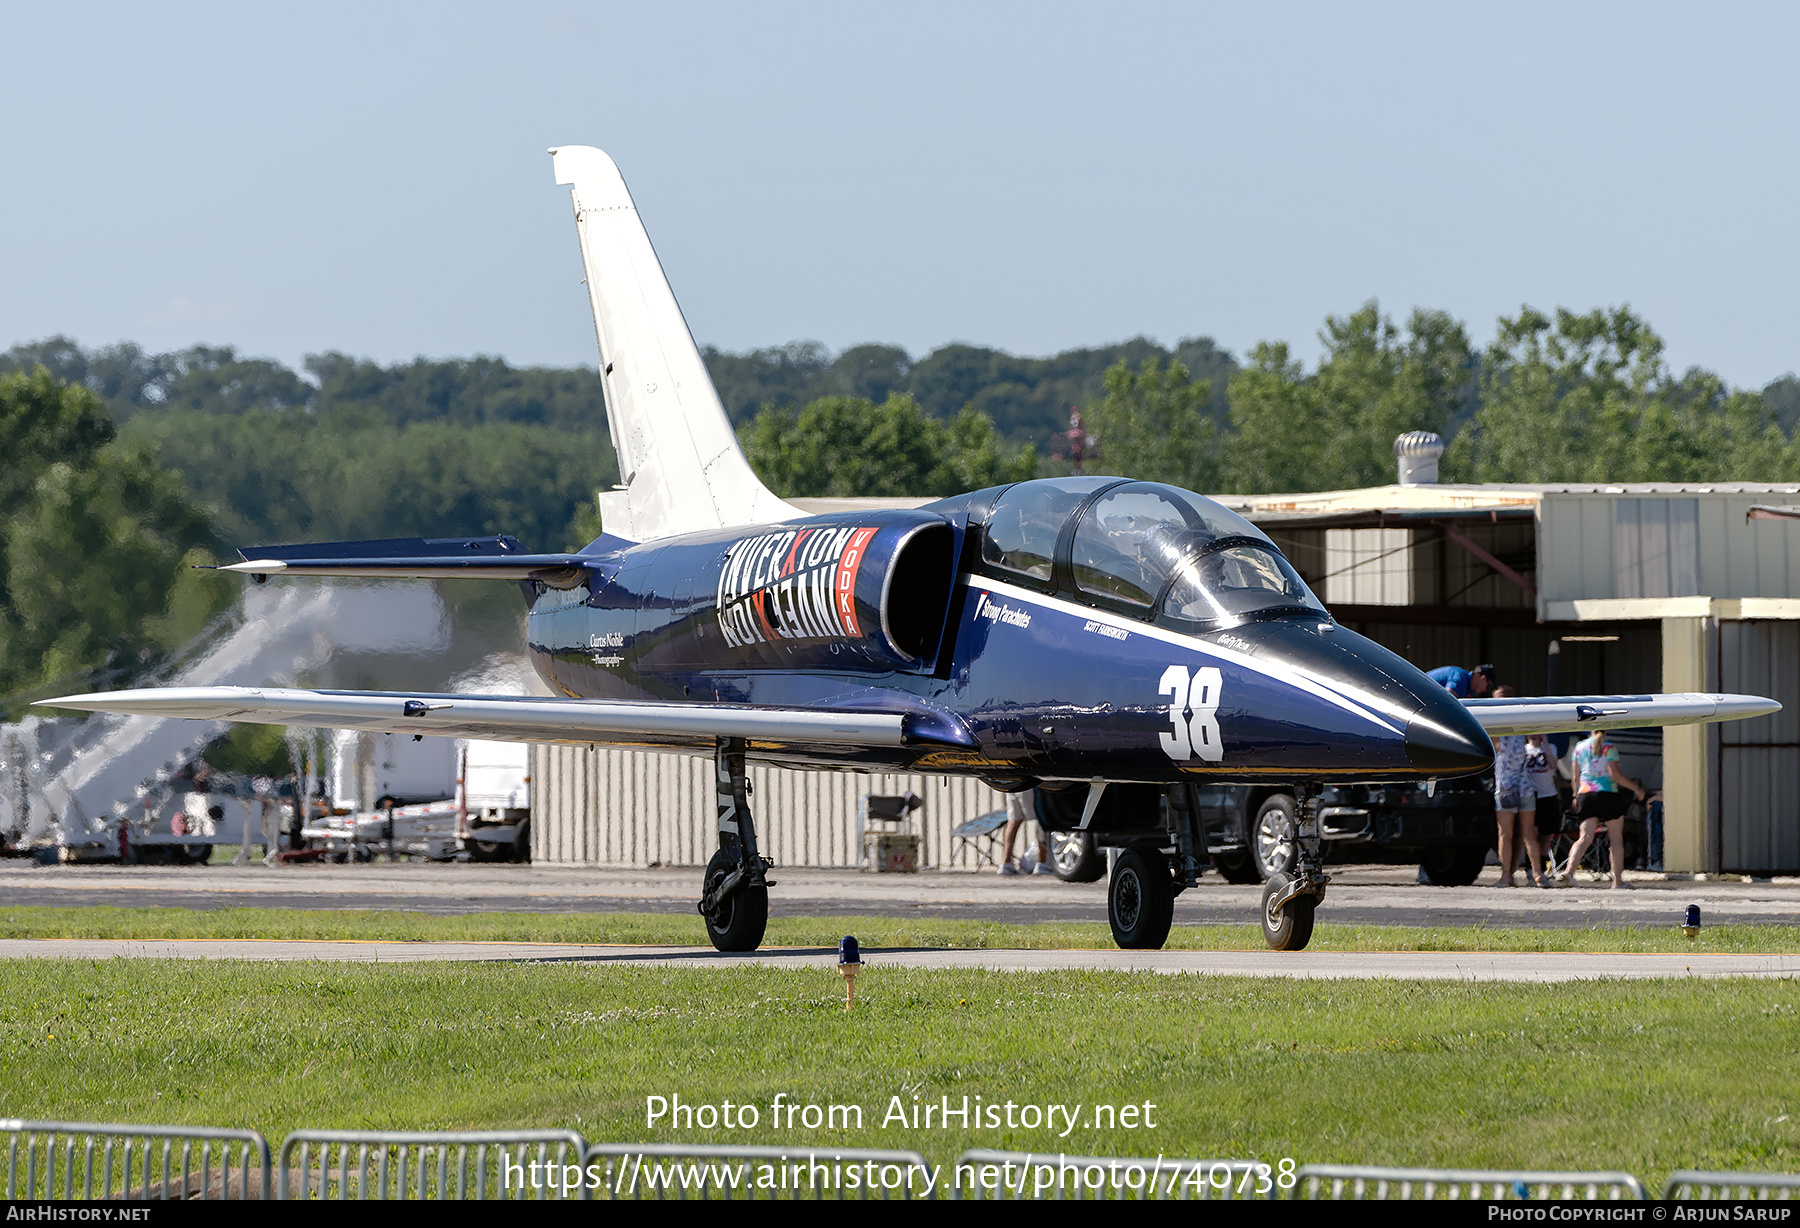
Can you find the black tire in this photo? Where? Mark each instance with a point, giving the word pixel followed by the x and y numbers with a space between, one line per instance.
pixel 520 852
pixel 1075 857
pixel 1272 834
pixel 1237 867
pixel 1454 867
pixel 741 920
pixel 1291 928
pixel 484 850
pixel 1140 900
pixel 197 854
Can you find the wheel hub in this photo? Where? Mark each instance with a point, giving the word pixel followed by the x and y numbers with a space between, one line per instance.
pixel 1131 900
pixel 720 916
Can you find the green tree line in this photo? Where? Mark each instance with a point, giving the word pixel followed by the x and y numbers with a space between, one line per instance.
pixel 1028 399
pixel 1563 397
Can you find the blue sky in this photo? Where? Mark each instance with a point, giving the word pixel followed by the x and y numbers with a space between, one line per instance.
pixel 372 178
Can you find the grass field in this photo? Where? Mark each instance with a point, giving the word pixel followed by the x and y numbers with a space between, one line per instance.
pixel 1645 1076
pixel 686 929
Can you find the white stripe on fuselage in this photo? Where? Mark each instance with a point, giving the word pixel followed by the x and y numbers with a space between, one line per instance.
pixel 1269 669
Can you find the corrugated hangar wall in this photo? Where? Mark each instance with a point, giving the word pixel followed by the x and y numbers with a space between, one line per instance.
pixel 636 808
pixel 1759 760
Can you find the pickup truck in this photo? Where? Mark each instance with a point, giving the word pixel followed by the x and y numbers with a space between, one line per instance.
pixel 1447 829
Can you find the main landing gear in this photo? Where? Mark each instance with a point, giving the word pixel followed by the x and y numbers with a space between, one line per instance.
pixel 1290 896
pixel 735 896
pixel 1140 895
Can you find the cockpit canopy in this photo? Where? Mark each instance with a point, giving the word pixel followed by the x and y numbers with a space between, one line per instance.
pixel 1146 549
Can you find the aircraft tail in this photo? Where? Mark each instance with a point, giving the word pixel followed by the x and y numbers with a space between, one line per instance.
pixel 680 464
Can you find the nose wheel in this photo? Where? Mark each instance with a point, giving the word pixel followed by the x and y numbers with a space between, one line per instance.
pixel 1292 895
pixel 1287 918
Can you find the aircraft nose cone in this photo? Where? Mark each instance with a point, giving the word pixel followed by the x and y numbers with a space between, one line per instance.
pixel 1441 748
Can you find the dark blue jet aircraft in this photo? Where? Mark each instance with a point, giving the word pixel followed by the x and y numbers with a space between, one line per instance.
pixel 1077 632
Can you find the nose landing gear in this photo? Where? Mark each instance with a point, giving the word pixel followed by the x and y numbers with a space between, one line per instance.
pixel 1290 897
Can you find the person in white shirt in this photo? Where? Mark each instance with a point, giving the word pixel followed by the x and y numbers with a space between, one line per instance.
pixel 1540 766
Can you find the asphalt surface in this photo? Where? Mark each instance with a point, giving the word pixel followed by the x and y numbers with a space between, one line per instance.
pixel 1301 965
pixel 1369 894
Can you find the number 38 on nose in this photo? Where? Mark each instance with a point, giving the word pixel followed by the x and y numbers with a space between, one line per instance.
pixel 1193 714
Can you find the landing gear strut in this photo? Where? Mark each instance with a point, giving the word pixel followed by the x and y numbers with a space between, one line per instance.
pixel 735 895
pixel 1289 897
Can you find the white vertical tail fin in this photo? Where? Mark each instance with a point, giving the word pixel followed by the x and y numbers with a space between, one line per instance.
pixel 678 458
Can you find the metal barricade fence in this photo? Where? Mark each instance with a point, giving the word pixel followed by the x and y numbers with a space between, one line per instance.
pixel 415 1164
pixel 91 1160
pixel 1690 1183
pixel 1036 1175
pixel 677 1170
pixel 1356 1181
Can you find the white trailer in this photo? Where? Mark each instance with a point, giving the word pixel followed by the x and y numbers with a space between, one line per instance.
pixel 371 771
pixel 431 798
pixel 496 800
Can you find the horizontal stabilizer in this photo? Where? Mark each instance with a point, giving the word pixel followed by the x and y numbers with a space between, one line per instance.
pixel 1582 713
pixel 441 558
pixel 507 718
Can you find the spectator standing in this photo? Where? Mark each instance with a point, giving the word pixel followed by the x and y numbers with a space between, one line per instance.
pixel 1601 797
pixel 1515 805
pixel 1541 765
pixel 1021 808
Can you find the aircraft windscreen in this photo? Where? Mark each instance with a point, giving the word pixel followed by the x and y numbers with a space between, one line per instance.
pixel 1234 580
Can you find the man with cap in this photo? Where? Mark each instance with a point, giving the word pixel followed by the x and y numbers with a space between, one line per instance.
pixel 1464 683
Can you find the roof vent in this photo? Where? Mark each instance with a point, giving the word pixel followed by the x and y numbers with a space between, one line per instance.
pixel 1418 452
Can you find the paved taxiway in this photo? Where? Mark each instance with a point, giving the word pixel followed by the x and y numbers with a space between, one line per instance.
pixel 1367 894
pixel 1306 965
pixel 1373 894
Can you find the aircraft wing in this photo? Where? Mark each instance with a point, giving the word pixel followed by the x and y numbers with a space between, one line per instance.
pixel 1581 713
pixel 510 718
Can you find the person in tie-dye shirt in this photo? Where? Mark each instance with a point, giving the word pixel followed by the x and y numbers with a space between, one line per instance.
pixel 1602 795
